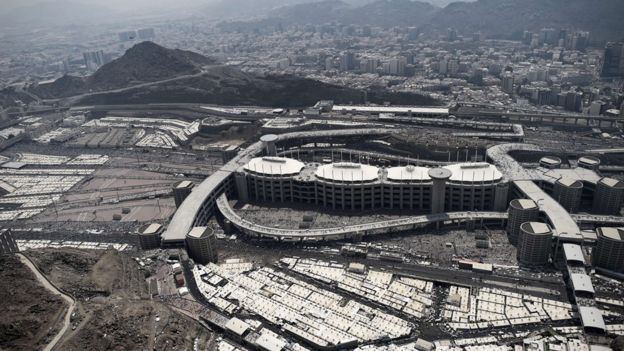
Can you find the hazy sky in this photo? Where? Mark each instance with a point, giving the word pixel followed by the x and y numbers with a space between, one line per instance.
pixel 122 5
pixel 119 5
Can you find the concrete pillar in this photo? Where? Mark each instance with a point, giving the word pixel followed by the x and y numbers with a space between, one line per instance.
pixel 242 190
pixel 268 142
pixel 438 189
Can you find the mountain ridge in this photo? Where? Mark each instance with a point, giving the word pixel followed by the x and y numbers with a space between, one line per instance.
pixel 494 18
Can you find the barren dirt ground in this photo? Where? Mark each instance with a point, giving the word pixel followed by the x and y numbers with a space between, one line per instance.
pixel 30 314
pixel 113 310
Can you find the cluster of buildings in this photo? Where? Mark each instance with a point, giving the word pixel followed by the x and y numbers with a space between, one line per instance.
pixel 200 242
pixel 323 319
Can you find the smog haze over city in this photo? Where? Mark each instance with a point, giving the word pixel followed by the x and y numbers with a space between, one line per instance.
pixel 294 175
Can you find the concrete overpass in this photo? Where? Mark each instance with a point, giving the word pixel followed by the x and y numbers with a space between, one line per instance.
pixel 353 231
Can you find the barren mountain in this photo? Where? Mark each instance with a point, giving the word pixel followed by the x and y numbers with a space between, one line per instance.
pixel 182 76
pixel 143 63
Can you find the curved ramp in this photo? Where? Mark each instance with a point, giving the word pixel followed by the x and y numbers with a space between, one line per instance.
pixel 346 232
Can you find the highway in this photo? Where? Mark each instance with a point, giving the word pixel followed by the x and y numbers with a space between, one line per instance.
pixel 71 100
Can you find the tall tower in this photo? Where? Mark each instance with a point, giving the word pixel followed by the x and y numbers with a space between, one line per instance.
pixel 534 243
pixel 181 190
pixel 438 189
pixel 609 251
pixel 520 211
pixel 568 192
pixel 268 142
pixel 608 196
pixel 613 63
pixel 201 245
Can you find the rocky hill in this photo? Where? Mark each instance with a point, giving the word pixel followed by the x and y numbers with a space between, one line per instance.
pixel 182 76
pixel 229 86
pixel 143 63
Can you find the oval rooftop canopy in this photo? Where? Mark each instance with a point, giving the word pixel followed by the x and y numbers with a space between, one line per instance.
pixel 274 166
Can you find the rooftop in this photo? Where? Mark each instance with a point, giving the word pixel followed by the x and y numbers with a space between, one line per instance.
pixel 267 341
pixel 392 109
pixel 237 326
pixel 570 183
pixel 199 232
pixel 184 184
pixel 268 138
pixel 591 317
pixel 613 183
pixel 152 229
pixel 408 173
pixel 536 228
pixel 474 172
pixel 347 172
pixel 590 160
pixel 552 160
pixel 574 253
pixel 440 173
pixel 612 233
pixel 524 204
pixel 274 166
pixel 582 283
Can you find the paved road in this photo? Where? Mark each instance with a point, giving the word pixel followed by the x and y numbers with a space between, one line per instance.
pixel 48 285
pixel 68 101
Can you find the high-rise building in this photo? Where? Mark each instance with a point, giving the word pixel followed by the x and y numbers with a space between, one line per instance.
pixel 573 101
pixel 369 65
pixel 149 236
pixel 146 33
pixel 396 67
pixel 520 211
pixel 532 75
pixel 527 37
pixel 201 245
pixel 347 61
pixel 597 108
pixel 609 251
pixel 568 192
pixel 94 58
pixel 181 190
pixel 613 62
pixel 508 83
pixel 329 63
pixel 127 36
pixel 443 66
pixel 453 67
pixel 548 36
pixel 451 34
pixel 367 31
pixel 534 243
pixel 608 196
